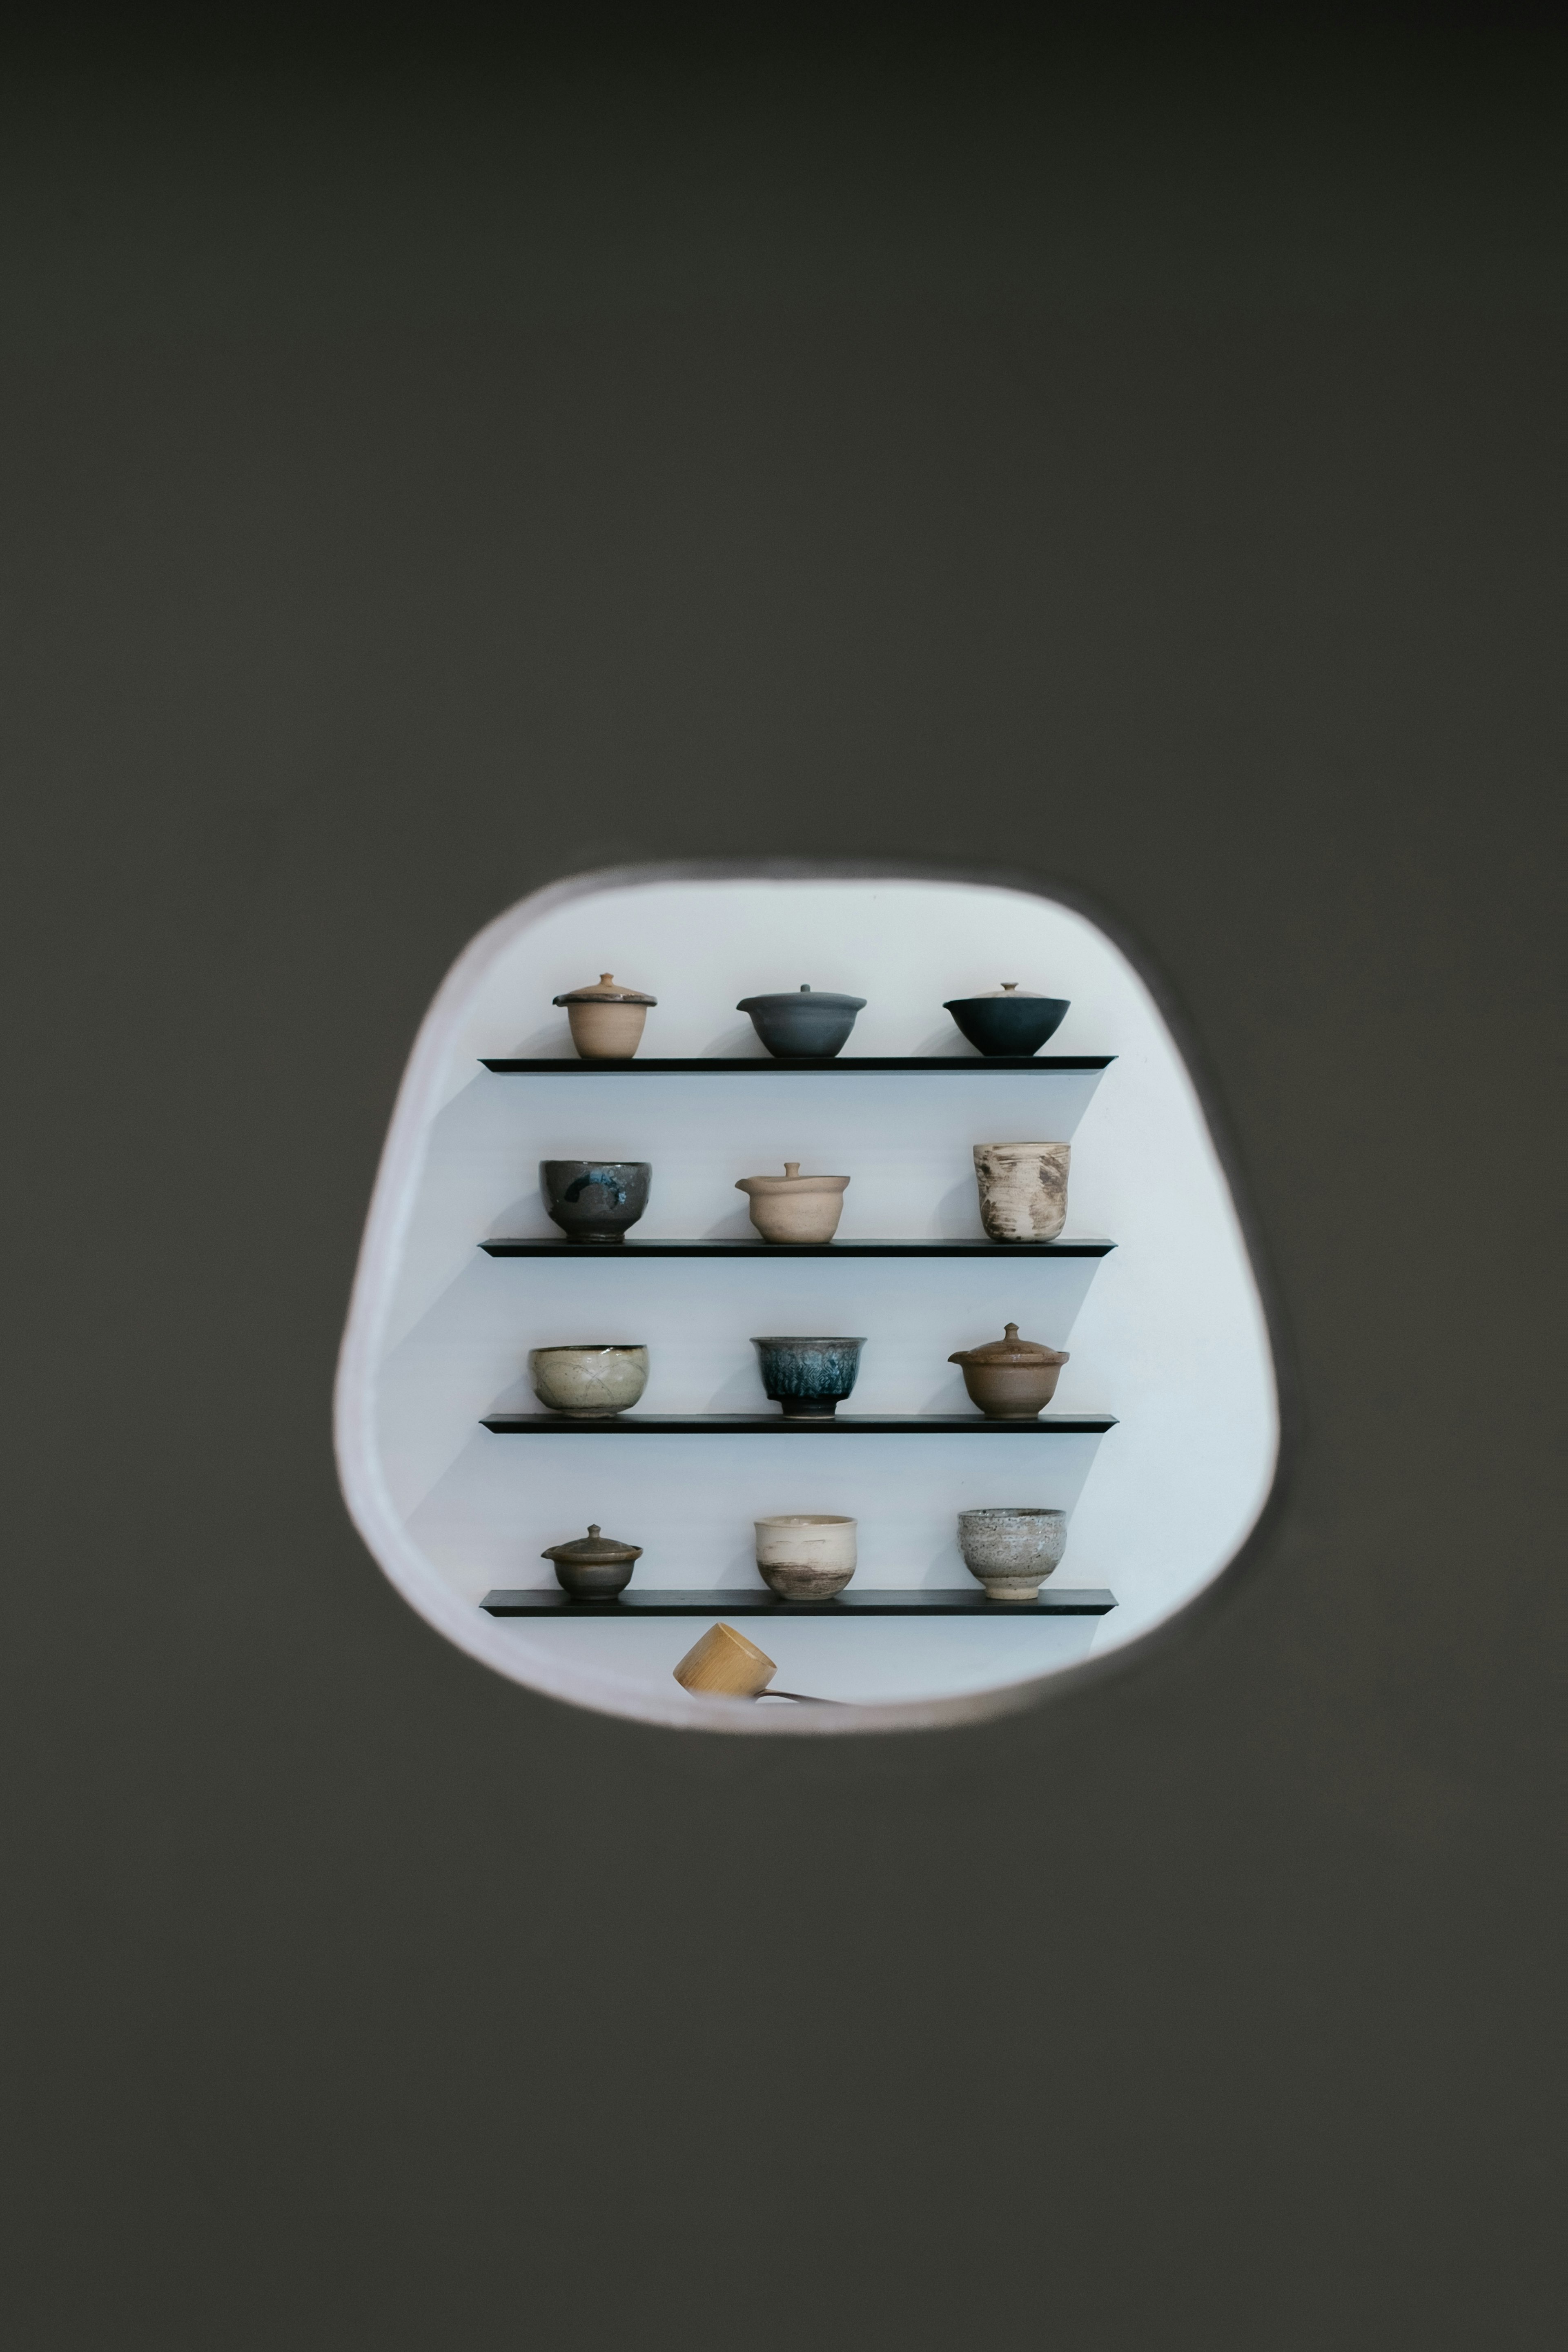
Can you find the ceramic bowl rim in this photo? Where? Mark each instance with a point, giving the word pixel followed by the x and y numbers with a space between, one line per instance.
pixel 827 998
pixel 806 1340
pixel 809 1519
pixel 1056 1145
pixel 1015 1511
pixel 953 1003
pixel 593 1347
pixel 598 1163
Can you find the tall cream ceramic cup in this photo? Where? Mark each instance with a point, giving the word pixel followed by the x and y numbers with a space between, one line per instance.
pixel 1023 1189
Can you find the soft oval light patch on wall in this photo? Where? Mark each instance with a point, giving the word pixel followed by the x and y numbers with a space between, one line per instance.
pixel 1152 1457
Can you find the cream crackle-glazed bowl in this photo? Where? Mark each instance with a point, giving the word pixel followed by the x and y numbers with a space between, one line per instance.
pixel 592 1381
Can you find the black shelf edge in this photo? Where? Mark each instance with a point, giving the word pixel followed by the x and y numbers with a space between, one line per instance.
pixel 499 1246
pixel 933 1600
pixel 750 1066
pixel 774 1425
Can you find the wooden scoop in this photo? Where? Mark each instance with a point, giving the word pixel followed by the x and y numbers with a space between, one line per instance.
pixel 725 1661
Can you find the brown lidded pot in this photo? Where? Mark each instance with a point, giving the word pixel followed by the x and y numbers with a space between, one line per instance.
pixel 1013 1378
pixel 606 1020
pixel 595 1568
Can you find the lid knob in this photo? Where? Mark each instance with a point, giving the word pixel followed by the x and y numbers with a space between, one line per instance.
pixel 805 988
pixel 792 1168
pixel 1008 985
pixel 605 978
pixel 593 1530
pixel 1011 1334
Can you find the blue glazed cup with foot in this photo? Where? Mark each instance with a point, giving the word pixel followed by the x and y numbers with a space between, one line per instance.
pixel 808 1378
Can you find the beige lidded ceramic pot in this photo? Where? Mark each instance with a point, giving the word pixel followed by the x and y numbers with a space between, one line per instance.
pixel 1012 1379
pixel 606 1020
pixel 1023 1189
pixel 805 1555
pixel 793 1207
pixel 589 1381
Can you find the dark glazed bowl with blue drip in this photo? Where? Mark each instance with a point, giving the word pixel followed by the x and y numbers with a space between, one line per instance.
pixel 1008 1020
pixel 809 1025
pixel 808 1378
pixel 595 1200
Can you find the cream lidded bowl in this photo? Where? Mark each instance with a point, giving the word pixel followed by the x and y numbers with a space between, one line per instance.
pixel 793 1207
pixel 589 1383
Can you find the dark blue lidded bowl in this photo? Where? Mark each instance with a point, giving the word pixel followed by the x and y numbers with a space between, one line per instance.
pixel 1008 1020
pixel 808 1378
pixel 805 1024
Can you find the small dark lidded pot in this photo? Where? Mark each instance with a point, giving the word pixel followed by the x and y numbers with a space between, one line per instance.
pixel 606 1020
pixel 808 1378
pixel 595 1200
pixel 810 1025
pixel 1013 1378
pixel 595 1568
pixel 1008 1020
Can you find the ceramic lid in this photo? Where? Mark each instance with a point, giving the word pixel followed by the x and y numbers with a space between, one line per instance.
pixel 1008 987
pixel 593 1550
pixel 1009 1351
pixel 818 996
pixel 607 993
pixel 791 1175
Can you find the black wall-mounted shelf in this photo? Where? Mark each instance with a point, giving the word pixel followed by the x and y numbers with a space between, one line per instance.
pixel 619 1252
pixel 774 1425
pixel 930 1601
pixel 754 1066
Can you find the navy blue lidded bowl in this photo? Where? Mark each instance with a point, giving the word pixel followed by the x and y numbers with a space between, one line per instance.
pixel 1008 1020
pixel 805 1024
pixel 808 1378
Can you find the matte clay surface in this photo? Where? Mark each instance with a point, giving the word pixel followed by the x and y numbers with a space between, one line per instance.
pixel 793 1207
pixel 426 476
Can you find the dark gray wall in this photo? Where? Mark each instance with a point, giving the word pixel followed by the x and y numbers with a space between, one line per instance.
pixel 433 467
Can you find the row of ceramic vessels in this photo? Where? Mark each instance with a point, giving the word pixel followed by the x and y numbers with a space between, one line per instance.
pixel 809 1024
pixel 811 1555
pixel 1023 1191
pixel 808 1377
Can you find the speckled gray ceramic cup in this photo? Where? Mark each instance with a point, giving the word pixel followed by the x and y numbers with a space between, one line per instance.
pixel 1012 1549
